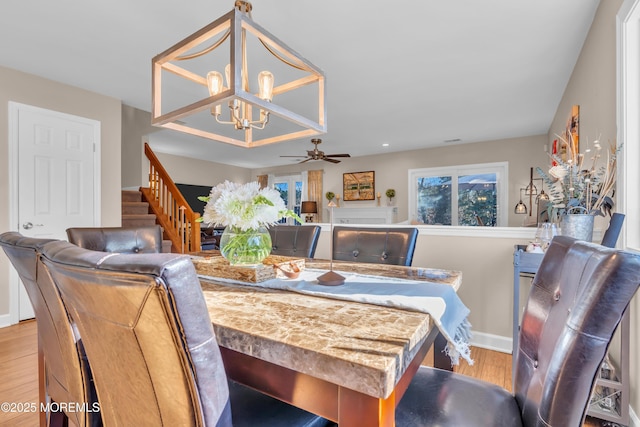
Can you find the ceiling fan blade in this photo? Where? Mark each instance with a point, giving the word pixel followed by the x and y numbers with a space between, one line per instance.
pixel 294 156
pixel 338 155
pixel 305 161
pixel 331 160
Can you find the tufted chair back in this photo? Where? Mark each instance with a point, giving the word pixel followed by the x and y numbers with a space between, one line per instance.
pixel 118 239
pixel 576 302
pixel 68 377
pixel 146 331
pixel 374 245
pixel 294 240
pixel 154 356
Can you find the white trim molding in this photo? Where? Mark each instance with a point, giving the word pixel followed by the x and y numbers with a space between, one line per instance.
pixel 5 320
pixel 492 342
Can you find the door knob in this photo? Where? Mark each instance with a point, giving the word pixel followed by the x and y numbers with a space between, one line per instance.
pixel 28 225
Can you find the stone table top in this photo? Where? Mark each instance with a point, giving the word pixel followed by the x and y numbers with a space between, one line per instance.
pixel 360 346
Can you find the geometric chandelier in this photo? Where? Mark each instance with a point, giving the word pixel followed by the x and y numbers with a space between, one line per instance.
pixel 209 85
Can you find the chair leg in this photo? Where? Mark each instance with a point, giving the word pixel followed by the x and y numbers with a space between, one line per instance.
pixel 440 358
pixel 42 388
pixel 58 419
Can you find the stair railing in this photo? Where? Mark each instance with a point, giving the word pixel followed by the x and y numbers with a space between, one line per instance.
pixel 174 214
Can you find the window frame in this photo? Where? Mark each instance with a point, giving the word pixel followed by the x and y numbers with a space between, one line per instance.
pixel 291 181
pixel 501 169
pixel 628 106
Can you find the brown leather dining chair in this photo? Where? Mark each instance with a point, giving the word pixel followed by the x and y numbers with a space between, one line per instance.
pixel 118 239
pixel 374 245
pixel 294 240
pixel 64 375
pixel 576 302
pixel 148 336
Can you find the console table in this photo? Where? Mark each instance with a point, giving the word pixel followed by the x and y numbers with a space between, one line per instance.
pixel 610 401
pixel 366 215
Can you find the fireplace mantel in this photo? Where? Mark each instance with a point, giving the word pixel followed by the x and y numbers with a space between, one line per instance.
pixel 365 215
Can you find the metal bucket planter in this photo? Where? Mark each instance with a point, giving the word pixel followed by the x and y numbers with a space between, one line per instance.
pixel 578 226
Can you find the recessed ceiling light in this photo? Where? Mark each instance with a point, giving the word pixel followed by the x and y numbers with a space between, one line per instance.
pixel 386 144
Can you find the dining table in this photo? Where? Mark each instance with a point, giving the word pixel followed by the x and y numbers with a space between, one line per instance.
pixel 349 362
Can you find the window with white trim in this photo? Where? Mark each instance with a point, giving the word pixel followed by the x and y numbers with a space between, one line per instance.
pixel 467 195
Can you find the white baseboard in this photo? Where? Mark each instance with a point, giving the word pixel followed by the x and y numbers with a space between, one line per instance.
pixel 492 342
pixel 634 421
pixel 5 320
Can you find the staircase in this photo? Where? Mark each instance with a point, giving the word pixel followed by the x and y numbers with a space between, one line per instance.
pixel 179 222
pixel 135 213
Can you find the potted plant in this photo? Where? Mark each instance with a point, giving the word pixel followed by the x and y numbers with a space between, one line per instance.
pixel 390 193
pixel 580 188
pixel 329 195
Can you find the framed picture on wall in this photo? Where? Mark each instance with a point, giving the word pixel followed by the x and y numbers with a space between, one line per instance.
pixel 572 134
pixel 358 186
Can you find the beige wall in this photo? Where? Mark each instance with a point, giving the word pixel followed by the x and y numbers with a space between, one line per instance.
pixel 185 170
pixel 136 125
pixel 391 169
pixel 593 87
pixel 28 89
pixel 485 258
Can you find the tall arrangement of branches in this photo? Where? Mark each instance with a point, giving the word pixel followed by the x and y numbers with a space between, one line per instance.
pixel 582 182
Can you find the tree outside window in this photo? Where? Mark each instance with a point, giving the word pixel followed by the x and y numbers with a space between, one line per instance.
pixel 467 195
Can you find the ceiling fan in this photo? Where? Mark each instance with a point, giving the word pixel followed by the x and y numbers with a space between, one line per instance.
pixel 316 154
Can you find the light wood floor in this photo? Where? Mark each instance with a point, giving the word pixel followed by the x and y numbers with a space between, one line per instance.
pixel 19 371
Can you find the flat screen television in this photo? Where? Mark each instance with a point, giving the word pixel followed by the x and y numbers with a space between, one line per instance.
pixel 191 193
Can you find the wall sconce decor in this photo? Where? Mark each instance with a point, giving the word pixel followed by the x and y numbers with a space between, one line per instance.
pixel 202 85
pixel 531 190
pixel 520 208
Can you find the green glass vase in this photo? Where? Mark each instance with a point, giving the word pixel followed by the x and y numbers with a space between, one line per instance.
pixel 245 248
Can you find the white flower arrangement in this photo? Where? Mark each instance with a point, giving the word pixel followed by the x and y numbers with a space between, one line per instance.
pixel 244 206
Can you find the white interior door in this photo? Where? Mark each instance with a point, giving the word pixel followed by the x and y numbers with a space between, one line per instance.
pixel 58 176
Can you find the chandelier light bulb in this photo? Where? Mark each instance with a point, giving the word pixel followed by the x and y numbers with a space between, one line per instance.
pixel 214 83
pixel 265 85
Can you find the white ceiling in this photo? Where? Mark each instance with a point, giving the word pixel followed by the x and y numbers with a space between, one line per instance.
pixel 411 74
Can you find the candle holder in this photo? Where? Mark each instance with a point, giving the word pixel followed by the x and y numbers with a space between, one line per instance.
pixel 378 199
pixel 337 200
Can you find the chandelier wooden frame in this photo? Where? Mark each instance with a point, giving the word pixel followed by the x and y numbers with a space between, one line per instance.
pixel 237 23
